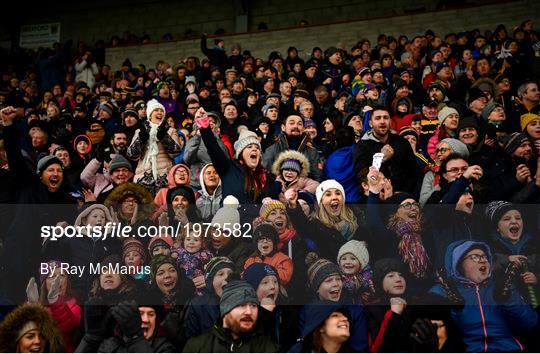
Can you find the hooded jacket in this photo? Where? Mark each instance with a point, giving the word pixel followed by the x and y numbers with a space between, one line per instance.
pixel 161 196
pixel 208 204
pixel 305 147
pixel 18 318
pixel 484 324
pixel 196 156
pixel 302 182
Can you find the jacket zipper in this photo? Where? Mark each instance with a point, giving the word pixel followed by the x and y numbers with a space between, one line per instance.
pixel 483 318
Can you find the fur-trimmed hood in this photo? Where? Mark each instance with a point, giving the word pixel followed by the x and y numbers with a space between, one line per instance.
pixel 16 320
pixel 494 88
pixel 291 155
pixel 146 201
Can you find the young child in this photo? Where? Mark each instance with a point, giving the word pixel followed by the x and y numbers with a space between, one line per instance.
pixel 134 254
pixel 291 169
pixel 193 255
pixel 161 245
pixel 266 239
pixel 353 261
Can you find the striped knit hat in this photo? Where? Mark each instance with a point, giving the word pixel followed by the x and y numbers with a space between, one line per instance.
pixel 319 270
pixel 268 205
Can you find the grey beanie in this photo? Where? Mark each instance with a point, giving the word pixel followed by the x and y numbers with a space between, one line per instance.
pixel 457 147
pixel 119 161
pixel 488 109
pixel 236 293
pixel 245 138
pixel 46 161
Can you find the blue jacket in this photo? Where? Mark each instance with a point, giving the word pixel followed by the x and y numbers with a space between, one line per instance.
pixel 340 166
pixel 485 325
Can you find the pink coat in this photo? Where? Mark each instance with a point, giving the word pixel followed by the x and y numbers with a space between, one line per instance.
pixel 302 184
pixel 67 315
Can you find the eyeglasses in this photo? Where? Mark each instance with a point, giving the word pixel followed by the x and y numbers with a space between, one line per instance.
pixel 409 205
pixel 442 150
pixel 477 257
pixel 264 239
pixel 457 169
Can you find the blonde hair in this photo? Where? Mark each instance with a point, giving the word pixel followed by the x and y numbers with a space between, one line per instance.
pixel 346 215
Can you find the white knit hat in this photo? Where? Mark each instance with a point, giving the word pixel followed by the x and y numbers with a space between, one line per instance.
pixel 151 106
pixel 357 249
pixel 245 138
pixel 445 112
pixel 326 185
pixel 228 213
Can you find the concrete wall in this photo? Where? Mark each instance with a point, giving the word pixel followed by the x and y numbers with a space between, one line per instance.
pixel 262 43
pixel 91 20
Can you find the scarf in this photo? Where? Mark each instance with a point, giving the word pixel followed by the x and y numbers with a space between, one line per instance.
pixel 347 229
pixel 150 158
pixel 285 237
pixel 410 247
pixel 517 248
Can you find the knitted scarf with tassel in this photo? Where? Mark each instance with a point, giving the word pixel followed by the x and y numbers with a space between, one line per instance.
pixel 410 247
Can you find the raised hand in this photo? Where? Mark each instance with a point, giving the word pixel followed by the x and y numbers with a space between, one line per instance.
pixel 32 292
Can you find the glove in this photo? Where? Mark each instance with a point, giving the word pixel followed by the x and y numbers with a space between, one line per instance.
pixel 94 317
pixel 203 122
pixel 54 291
pixel 128 318
pixel 32 293
pixel 424 333
pixel 143 135
pixel 503 283
pixel 162 130
pixel 103 155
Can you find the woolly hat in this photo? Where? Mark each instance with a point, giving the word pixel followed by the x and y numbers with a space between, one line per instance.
pixel 293 160
pixel 457 147
pixel 331 51
pixel 319 270
pixel 256 272
pixel 474 94
pixel 326 185
pixel 213 266
pixel 106 107
pixel 267 107
pixel 84 138
pixel 46 161
pixel 527 118
pixel 119 161
pixel 513 141
pixel 265 229
pixel 445 112
pixel 184 191
pixel 133 244
pixel 496 209
pixel 408 130
pixel 364 71
pixel 268 205
pixel 245 138
pixel 357 249
pixel 489 108
pixel 151 106
pixel 467 122
pixel 157 261
pixel 308 122
pixel 236 293
pixel 228 213
pixel 161 240
pixel 383 267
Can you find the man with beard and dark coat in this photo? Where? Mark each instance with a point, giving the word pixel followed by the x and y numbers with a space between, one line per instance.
pixel 238 330
pixel 293 137
pixel 42 200
pixel 399 162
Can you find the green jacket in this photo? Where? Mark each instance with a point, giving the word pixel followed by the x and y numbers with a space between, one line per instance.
pixel 219 340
